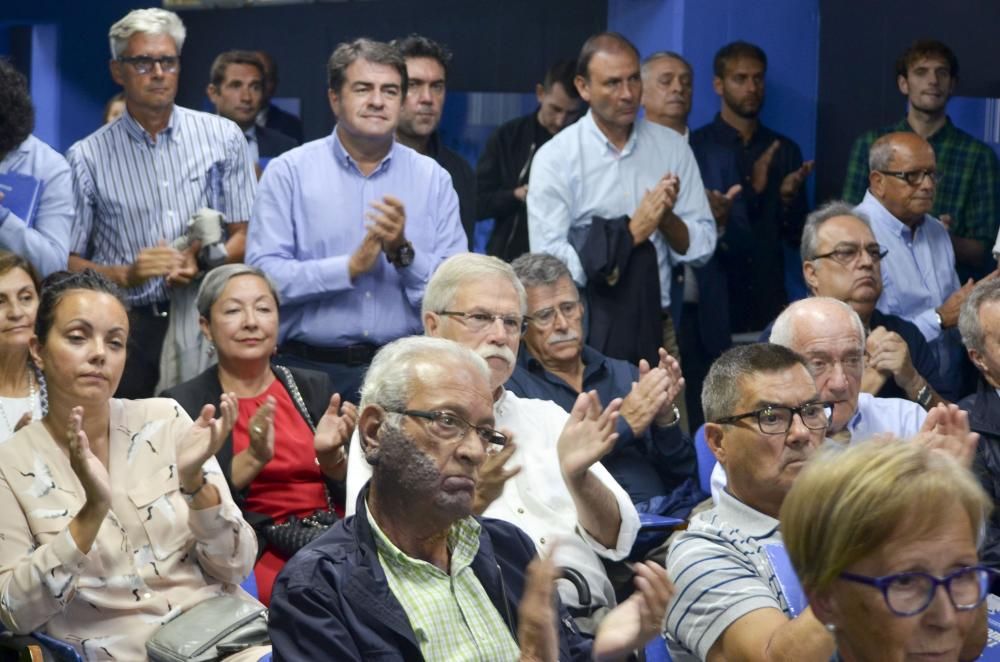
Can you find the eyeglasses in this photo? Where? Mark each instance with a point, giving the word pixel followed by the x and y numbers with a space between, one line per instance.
pixel 476 321
pixel 909 593
pixel 913 177
pixel 570 310
pixel 144 65
pixel 847 254
pixel 450 427
pixel 777 419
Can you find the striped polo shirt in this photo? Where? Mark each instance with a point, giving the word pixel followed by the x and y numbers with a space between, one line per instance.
pixel 132 192
pixel 721 572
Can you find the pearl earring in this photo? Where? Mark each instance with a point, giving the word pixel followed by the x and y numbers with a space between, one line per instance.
pixel 830 627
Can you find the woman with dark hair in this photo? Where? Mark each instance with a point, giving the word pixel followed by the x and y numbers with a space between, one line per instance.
pixel 114 515
pixel 114 108
pixel 22 387
pixel 285 456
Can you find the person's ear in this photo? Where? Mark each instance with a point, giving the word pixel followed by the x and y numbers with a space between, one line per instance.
pixel 213 94
pixel 432 321
pixel 824 607
pixel 717 85
pixel 35 352
pixel 206 329
pixel 809 275
pixel 714 434
pixel 977 360
pixel 876 182
pixel 539 92
pixel 903 85
pixel 371 420
pixel 334 99
pixel 116 71
pixel 582 88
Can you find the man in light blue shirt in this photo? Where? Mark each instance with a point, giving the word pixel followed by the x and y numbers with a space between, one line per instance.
pixel 351 227
pixel 611 164
pixel 44 238
pixel 919 281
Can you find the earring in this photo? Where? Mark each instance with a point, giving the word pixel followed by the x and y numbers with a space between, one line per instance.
pixel 211 348
pixel 830 627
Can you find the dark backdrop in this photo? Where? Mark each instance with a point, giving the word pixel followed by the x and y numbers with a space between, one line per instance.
pixel 498 46
pixel 859 43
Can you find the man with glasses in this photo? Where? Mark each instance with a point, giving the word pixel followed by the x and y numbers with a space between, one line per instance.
pixel 138 181
pixel 414 574
pixel 652 458
pixel 919 279
pixel 841 259
pixel 549 480
pixel 766 418
pixel 351 226
pixel 968 196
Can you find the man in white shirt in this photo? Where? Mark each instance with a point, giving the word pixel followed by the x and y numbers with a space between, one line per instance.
pixel 612 165
pixel 549 482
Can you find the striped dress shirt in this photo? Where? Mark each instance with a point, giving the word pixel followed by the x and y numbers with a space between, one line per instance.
pixel 132 192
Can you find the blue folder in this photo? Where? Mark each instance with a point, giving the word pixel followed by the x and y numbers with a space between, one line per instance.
pixel 21 194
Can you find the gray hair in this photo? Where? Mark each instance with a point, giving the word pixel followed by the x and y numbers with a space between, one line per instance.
pixel 722 389
pixel 217 279
pixel 880 154
pixel 145 21
pixel 783 331
pixel 821 215
pixel 467 268
pixel 661 55
pixel 389 379
pixel 969 324
pixel 540 269
pixel 376 52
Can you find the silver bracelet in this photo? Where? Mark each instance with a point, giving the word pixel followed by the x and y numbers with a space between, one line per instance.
pixel 677 418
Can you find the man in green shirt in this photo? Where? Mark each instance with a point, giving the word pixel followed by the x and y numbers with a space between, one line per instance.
pixel 967 195
pixel 414 575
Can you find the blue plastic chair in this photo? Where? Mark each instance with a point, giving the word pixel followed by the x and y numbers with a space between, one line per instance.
pixel 656 650
pixel 706 461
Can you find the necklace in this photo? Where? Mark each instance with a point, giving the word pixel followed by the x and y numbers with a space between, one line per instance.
pixel 32 394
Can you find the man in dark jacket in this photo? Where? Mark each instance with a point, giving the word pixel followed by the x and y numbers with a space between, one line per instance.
pixel 503 168
pixel 413 575
pixel 979 323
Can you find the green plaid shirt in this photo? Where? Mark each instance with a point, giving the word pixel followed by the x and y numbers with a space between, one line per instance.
pixel 969 186
pixel 451 615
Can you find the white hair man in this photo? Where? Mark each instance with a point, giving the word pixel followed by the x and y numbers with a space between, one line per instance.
pixel 414 572
pixel 549 483
pixel 139 179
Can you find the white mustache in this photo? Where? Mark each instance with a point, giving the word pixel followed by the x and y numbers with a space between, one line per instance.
pixel 497 352
pixel 556 337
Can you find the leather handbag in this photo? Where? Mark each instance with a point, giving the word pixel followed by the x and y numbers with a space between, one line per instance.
pixel 210 630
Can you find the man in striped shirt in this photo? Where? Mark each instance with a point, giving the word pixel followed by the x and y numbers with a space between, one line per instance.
pixel 765 422
pixel 138 180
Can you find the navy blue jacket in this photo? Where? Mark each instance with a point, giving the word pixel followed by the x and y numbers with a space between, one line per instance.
pixel 646 466
pixel 984 417
pixel 332 600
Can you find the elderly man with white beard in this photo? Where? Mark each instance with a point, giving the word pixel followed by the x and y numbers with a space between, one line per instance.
pixel 550 481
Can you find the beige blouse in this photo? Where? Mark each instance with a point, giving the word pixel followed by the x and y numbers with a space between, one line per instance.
pixel 153 556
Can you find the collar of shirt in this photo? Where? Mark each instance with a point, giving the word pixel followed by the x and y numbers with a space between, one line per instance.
pixel 751 522
pixel 137 132
pixel 946 131
pixel 347 162
pixel 593 362
pixel 884 217
pixel 16 155
pixel 463 544
pixel 590 126
pixel 251 133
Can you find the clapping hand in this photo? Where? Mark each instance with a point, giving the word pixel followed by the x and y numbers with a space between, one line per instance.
pixel 640 618
pixel 89 469
pixel 946 430
pixel 588 436
pixel 261 429
pixel 204 439
pixel 494 474
pixel 537 620
pixel 334 431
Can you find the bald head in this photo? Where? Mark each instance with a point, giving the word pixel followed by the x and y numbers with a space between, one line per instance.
pixel 902 175
pixel 610 43
pixel 829 334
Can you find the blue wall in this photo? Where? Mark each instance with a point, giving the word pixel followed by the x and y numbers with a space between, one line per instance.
pixel 787 30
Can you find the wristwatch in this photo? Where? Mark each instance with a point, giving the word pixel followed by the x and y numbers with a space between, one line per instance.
pixel 403 256
pixel 937 316
pixel 924 396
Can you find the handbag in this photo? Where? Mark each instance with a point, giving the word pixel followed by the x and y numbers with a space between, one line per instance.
pixel 295 533
pixel 210 630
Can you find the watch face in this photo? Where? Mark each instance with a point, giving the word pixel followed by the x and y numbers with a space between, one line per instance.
pixel 405 255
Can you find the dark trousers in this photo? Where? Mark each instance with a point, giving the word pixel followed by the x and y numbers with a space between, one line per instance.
pixel 697 361
pixel 344 379
pixel 145 342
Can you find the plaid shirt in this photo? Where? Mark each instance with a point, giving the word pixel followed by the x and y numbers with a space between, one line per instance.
pixel 969 187
pixel 450 613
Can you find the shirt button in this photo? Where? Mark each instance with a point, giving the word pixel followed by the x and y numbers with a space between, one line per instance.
pixel 541 540
pixel 366 334
pixel 520 511
pixel 166 184
pixel 147 596
pixel 368 295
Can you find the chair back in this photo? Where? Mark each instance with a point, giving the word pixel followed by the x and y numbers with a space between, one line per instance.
pixel 706 461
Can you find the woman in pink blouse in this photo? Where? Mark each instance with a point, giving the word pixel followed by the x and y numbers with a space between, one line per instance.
pixel 114 515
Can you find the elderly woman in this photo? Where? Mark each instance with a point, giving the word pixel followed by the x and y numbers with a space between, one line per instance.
pixel 114 515
pixel 22 390
pixel 883 537
pixel 285 456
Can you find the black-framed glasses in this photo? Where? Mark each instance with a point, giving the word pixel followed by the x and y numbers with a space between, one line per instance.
pixel 450 427
pixel 570 310
pixel 777 419
pixel 846 254
pixel 144 64
pixel 909 593
pixel 913 177
pixel 480 321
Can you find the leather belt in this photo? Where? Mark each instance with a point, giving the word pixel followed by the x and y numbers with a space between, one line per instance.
pixel 350 355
